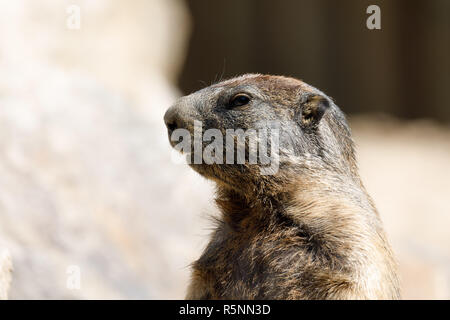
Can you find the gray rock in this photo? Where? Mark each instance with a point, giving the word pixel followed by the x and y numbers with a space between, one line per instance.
pixel 6 268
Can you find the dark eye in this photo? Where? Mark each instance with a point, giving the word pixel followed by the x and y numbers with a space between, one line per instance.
pixel 241 99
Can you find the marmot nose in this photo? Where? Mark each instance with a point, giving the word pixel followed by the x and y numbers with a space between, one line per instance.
pixel 172 119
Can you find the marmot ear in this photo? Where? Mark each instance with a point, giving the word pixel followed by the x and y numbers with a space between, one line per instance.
pixel 313 110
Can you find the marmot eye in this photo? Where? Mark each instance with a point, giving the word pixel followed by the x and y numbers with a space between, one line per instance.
pixel 241 99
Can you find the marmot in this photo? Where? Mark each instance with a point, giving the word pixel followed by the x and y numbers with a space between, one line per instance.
pixel 307 231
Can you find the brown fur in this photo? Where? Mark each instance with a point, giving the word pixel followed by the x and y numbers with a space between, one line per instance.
pixel 310 231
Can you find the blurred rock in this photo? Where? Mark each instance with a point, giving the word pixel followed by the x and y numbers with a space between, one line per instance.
pixel 87 177
pixel 5 274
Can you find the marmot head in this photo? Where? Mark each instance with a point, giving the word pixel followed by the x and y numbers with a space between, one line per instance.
pixel 288 128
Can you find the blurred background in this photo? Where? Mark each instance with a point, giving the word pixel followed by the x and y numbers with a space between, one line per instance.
pixel 91 205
